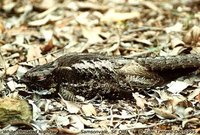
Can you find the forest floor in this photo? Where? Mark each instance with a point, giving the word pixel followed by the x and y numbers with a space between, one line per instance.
pixel 35 32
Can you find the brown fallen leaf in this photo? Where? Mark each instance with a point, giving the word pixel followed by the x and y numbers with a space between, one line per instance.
pixel 47 47
pixel 192 37
pixel 198 97
pixel 194 95
pixel 11 70
pixel 2 28
pixel 164 113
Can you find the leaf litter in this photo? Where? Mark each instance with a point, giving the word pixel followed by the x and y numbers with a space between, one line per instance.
pixel 34 33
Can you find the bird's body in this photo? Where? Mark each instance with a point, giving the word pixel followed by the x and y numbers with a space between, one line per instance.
pixel 111 77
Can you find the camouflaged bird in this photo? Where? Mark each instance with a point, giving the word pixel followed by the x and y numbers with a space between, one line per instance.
pixel 111 77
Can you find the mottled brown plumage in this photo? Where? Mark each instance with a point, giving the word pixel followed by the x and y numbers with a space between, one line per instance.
pixel 111 77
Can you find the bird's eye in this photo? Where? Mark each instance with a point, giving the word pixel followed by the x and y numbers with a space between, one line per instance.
pixel 41 78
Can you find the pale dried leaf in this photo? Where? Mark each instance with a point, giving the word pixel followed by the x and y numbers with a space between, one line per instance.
pixel 151 5
pixel 177 50
pixel 164 113
pixel 41 124
pixel 183 112
pixel 9 6
pixel 113 16
pixel 139 125
pixel 91 6
pixel 62 121
pixel 35 109
pixel 104 124
pixel 192 120
pixel 92 34
pixel 193 94
pixel 177 86
pixel 140 101
pixel 12 85
pixel 33 53
pixel 71 106
pixel 44 20
pixel 2 66
pixel 11 70
pixel 51 3
pixel 76 123
pixel 175 28
pixel 164 95
pixel 89 110
pixel 176 42
pixel 193 36
pixel 88 123
pixel 143 41
pixel 47 34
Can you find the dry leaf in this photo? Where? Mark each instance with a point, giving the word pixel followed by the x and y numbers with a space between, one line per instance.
pixel 183 112
pixel 2 67
pixel 113 16
pixel 11 70
pixel 176 42
pixel 89 110
pixel 71 106
pixel 143 41
pixel 164 113
pixel 44 20
pixel 76 123
pixel 11 85
pixel 2 28
pixel 175 28
pixel 193 94
pixel 139 125
pixel 177 50
pixel 193 36
pixel 92 34
pixel 151 5
pixel 104 124
pixel 140 101
pixel 88 123
pixel 62 121
pixel 177 86
pixel 198 97
pixel 51 3
pixel 47 47
pixel 192 120
pixel 33 53
pixel 35 109
pixel 90 6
